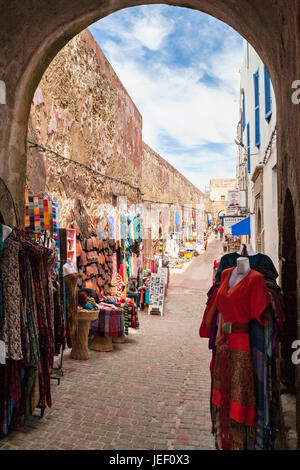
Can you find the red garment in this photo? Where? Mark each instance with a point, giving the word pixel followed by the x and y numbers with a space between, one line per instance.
pixel 246 301
pixel 216 264
pixel 210 310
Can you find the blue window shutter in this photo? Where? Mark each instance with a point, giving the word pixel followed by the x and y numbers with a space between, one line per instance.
pixel 268 97
pixel 243 120
pixel 256 108
pixel 248 147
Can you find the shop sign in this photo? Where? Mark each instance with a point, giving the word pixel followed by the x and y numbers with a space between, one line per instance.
pixel 157 294
pixel 163 272
pixel 229 221
pixel 233 199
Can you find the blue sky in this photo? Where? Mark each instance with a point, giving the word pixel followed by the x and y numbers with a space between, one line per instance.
pixel 181 68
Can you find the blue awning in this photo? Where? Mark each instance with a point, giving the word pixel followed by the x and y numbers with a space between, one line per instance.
pixel 242 227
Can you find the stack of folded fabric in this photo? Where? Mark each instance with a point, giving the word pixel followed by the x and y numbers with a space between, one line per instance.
pixel 85 302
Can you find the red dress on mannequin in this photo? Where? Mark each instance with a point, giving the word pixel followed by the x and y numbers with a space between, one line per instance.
pixel 233 396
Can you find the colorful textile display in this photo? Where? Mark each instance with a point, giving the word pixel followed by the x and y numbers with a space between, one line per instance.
pixel 118 287
pixel 96 265
pixel 109 322
pixel 125 316
pixel 26 327
pixel 243 326
pixel 71 300
pixel 60 321
pixel 133 320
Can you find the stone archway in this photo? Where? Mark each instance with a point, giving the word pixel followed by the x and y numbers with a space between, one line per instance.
pixel 33 32
pixel 289 287
pixel 7 206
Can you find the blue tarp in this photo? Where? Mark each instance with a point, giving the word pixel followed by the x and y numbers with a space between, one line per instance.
pixel 242 227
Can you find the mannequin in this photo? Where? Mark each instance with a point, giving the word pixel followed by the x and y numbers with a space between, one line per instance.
pixel 69 268
pixel 239 272
pixel 249 249
pixel 6 231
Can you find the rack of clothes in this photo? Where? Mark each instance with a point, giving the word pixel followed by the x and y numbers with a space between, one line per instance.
pixel 243 320
pixel 29 330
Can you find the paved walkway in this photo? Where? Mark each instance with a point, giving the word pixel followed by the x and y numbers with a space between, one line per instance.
pixel 149 393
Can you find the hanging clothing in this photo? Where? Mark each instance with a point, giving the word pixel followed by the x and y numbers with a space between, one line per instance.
pixel 10 280
pixel 71 306
pixel 245 395
pixel 27 327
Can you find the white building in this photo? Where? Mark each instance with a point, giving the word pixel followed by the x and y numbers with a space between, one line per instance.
pixel 256 161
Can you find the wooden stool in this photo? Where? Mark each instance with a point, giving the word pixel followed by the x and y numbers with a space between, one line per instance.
pixel 80 349
pixel 119 339
pixel 101 343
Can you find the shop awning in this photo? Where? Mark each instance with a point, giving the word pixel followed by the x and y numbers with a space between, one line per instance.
pixel 241 228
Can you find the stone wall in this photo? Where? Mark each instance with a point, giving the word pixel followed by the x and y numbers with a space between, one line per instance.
pixel 163 183
pixel 82 111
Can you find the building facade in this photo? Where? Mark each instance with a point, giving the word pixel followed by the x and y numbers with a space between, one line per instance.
pixel 256 156
pixel 217 197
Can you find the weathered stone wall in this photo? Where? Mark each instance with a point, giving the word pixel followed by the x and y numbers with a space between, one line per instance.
pixel 161 182
pixel 82 111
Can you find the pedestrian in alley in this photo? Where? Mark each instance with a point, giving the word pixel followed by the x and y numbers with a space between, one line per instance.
pixel 205 237
pixel 132 291
pixel 221 231
pixel 216 231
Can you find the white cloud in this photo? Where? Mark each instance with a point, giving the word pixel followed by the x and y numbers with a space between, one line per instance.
pixel 199 167
pixel 151 30
pixel 137 28
pixel 173 100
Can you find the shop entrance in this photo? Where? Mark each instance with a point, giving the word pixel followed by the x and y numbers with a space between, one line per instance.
pixel 289 287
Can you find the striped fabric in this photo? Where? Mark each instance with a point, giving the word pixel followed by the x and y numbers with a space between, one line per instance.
pixel 55 233
pixel 27 214
pixel 31 211
pixel 56 228
pixel 41 212
pixel 46 214
pixel 125 315
pixel 36 210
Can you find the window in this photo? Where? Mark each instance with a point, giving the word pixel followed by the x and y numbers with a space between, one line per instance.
pixel 248 147
pixel 256 108
pixel 268 96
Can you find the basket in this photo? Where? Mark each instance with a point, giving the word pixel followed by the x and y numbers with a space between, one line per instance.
pixel 101 343
pixel 119 339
